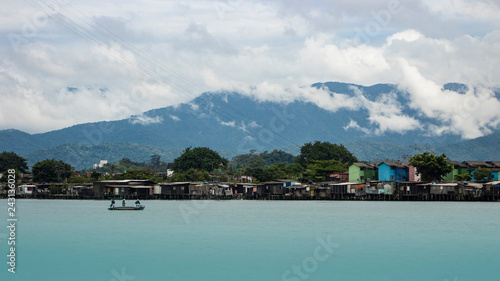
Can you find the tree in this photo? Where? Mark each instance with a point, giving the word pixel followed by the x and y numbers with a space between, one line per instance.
pixel 260 174
pixel 155 162
pixel 190 175
pixel 95 175
pixel 463 177
pixel 199 158
pixel 324 151
pixel 134 175
pixel 277 170
pixel 138 175
pixel 431 167
pixel 10 160
pixel 294 170
pixel 482 174
pixel 311 175
pixel 277 156
pixel 196 175
pixel 256 163
pixel 320 170
pixel 51 170
pixel 265 158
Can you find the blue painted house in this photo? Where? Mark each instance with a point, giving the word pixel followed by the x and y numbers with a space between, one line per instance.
pixel 495 174
pixel 495 170
pixel 474 165
pixel 393 171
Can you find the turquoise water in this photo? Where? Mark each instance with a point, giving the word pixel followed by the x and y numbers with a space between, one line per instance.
pixel 254 240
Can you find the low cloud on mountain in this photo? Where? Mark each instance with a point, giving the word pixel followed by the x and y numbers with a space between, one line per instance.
pixel 90 61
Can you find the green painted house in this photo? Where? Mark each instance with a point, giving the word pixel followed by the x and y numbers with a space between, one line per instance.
pixel 459 168
pixel 360 172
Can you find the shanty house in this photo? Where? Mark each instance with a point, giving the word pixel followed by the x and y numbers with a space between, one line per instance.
pixel 123 188
pixel 272 188
pixel 459 168
pixel 393 171
pixel 361 172
pixel 172 190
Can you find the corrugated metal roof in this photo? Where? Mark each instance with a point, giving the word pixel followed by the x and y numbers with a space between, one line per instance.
pixel 124 181
pixel 445 184
pixel 364 165
pixel 456 163
pixel 346 183
pixel 476 164
pixel 494 163
pixel 493 183
pixel 173 183
pixel 474 184
pixel 396 164
pixel 130 186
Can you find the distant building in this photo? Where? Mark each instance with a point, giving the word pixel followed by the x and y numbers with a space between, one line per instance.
pixel 343 188
pixel 496 164
pixel 173 190
pixel 413 174
pixel 473 165
pixel 492 189
pixel 245 179
pixel 459 168
pixel 26 189
pixel 393 171
pixel 119 188
pixel 361 172
pixel 343 177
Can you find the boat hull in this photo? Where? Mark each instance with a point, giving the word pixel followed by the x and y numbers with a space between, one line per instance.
pixel 130 208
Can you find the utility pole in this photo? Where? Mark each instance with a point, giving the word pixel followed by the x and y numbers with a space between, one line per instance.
pixel 155 162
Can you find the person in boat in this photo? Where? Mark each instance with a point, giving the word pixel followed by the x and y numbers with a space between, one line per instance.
pixel 137 203
pixel 123 202
pixel 112 203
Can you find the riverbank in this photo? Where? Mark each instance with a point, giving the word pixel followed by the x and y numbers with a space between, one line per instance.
pixel 345 197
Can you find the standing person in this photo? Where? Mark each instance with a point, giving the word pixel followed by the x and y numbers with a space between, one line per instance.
pixel 123 202
pixel 137 203
pixel 112 203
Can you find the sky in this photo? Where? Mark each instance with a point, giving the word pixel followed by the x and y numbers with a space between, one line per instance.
pixel 66 62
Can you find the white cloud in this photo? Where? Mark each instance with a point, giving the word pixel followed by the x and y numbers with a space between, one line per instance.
pixel 471 115
pixel 253 124
pixel 229 124
pixel 480 10
pixel 354 125
pixel 145 120
pixel 175 118
pixel 393 122
pixel 385 113
pixel 407 35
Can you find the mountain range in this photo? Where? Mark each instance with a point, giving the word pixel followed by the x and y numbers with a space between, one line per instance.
pixel 234 123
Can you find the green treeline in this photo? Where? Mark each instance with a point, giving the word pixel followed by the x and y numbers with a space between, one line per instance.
pixel 316 162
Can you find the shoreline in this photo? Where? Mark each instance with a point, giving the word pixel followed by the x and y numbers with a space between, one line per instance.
pixel 384 198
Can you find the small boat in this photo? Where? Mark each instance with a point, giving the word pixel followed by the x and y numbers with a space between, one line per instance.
pixel 127 208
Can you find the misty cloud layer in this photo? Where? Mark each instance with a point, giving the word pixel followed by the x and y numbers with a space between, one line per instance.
pixel 73 62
